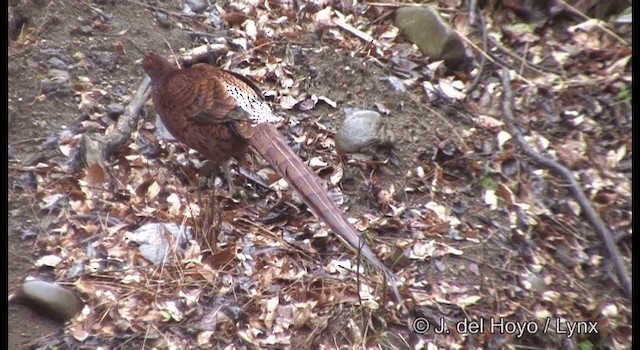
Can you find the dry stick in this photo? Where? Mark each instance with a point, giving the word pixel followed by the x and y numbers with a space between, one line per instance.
pixel 408 4
pixel 599 24
pixel 340 23
pixel 589 212
pixel 471 7
pixel 97 149
pixel 495 60
pixel 485 47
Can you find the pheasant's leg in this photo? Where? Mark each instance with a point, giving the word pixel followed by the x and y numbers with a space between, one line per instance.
pixel 234 192
pixel 215 213
pixel 226 167
pixel 212 218
pixel 207 175
pixel 211 171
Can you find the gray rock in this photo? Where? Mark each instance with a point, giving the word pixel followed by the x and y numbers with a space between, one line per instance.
pixel 536 283
pixel 48 86
pixel 115 110
pixel 216 19
pixel 58 75
pixel 51 299
pixel 85 30
pixel 424 27
pixel 57 80
pixel 397 84
pixel 103 57
pixel 197 6
pixel 163 19
pixel 55 62
pixel 361 131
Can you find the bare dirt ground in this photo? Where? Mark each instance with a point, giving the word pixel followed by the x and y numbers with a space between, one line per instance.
pixel 486 267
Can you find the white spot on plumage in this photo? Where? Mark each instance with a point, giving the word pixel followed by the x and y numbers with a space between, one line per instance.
pixel 258 110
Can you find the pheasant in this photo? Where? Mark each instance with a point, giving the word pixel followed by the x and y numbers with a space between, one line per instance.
pixel 220 113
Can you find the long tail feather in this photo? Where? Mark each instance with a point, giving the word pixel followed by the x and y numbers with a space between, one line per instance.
pixel 268 142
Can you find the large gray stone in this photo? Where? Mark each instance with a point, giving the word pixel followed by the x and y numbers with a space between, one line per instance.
pixel 424 27
pixel 50 299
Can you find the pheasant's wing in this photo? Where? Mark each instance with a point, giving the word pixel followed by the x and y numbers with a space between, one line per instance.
pixel 219 96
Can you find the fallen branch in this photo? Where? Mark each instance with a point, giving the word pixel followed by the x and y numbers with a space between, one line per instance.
pixel 597 23
pixel 358 33
pixel 482 27
pixel 574 187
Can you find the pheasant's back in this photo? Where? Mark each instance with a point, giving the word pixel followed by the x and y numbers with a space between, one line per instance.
pixel 197 110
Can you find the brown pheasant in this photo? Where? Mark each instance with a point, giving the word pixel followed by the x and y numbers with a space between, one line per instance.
pixel 219 113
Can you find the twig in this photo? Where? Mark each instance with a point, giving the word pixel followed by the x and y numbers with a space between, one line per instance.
pixel 99 148
pixel 96 10
pixel 35 139
pixel 358 33
pixel 110 220
pixel 523 61
pixel 581 198
pixel 483 59
pixel 490 57
pixel 198 53
pixel 587 18
pixel 408 4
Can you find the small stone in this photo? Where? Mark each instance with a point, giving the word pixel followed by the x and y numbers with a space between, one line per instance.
pixel 85 30
pixel 216 19
pixel 27 182
pixel 58 75
pixel 48 86
pixel 51 52
pixel 163 19
pixel 397 84
pixel 114 110
pixel 103 57
pixel 28 233
pixel 361 131
pixel 55 62
pixel 459 207
pixel 197 6
pixel 12 153
pixel 58 81
pixel 535 283
pixel 75 271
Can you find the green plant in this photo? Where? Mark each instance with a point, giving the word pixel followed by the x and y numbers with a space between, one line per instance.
pixel 625 94
pixel 488 183
pixel 585 345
